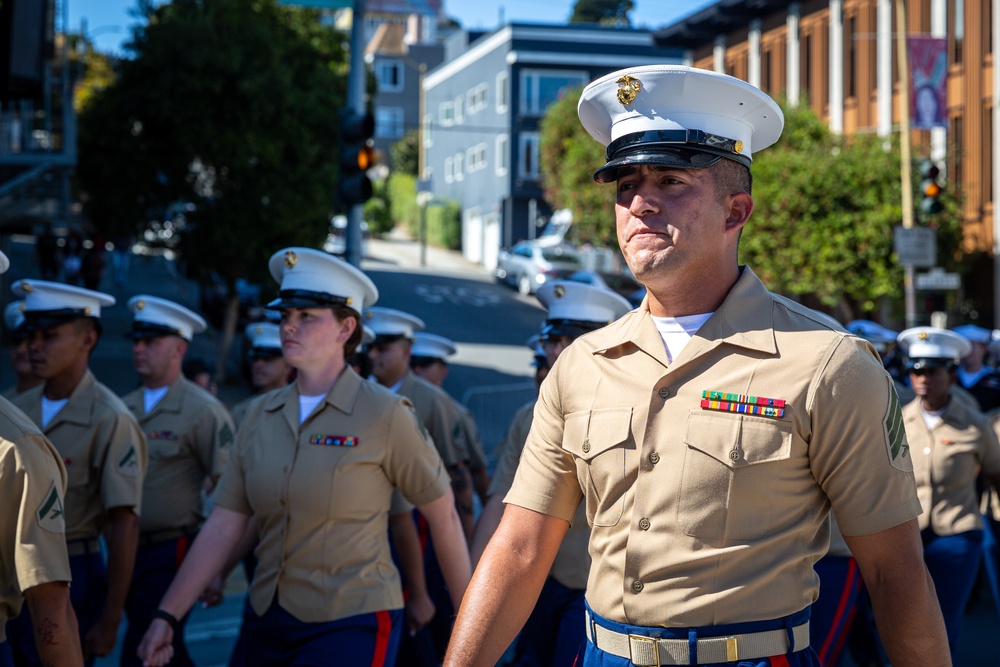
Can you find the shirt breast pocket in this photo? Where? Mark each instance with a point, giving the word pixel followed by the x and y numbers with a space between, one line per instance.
pixel 160 449
pixel 598 440
pixel 729 466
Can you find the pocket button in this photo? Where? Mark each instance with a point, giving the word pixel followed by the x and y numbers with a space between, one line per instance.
pixel 654 458
pixel 644 523
pixel 586 446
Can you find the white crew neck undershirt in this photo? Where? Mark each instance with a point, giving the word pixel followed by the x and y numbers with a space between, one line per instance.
pixel 51 408
pixel 932 417
pixel 677 331
pixel 150 397
pixel 307 404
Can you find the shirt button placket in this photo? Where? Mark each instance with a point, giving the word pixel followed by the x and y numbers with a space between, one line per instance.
pixel 637 586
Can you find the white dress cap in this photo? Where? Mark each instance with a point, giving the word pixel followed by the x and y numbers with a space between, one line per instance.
pixel 367 335
pixel 264 335
pixel 974 333
pixel 48 304
pixel 432 346
pixel 311 278
pixel 579 302
pixel 13 315
pixel 676 116
pixel 388 324
pixel 4 263
pixel 153 317
pixel 933 343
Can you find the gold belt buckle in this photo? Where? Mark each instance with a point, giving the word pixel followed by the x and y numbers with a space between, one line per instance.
pixel 649 651
pixel 732 652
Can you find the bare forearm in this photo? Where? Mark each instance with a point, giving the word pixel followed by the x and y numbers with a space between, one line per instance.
pixel 505 587
pixel 449 545
pixel 461 487
pixel 56 635
pixel 485 527
pixel 244 547
pixel 909 620
pixel 123 542
pixel 208 555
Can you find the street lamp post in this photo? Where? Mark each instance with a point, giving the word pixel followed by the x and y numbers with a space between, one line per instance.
pixel 422 193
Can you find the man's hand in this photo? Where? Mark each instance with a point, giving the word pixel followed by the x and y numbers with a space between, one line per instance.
pixel 101 638
pixel 157 648
pixel 419 612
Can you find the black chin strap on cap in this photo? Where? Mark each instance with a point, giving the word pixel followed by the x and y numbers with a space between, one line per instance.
pixel 300 298
pixel 679 149
pixel 571 328
pixel 37 320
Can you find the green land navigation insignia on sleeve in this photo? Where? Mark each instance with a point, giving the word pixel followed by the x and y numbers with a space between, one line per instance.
pixel 225 436
pixel 895 434
pixel 128 464
pixel 50 513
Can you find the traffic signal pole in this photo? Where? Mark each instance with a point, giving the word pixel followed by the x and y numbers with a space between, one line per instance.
pixel 910 295
pixel 356 103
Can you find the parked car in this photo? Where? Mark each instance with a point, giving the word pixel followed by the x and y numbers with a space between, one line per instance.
pixel 336 238
pixel 529 264
pixel 627 286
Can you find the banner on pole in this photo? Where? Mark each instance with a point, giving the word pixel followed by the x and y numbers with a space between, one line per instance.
pixel 929 81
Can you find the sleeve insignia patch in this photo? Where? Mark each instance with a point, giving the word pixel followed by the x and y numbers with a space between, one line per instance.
pixel 50 512
pixel 225 436
pixel 895 434
pixel 128 464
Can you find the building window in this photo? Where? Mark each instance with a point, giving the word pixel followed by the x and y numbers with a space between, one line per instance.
pixel 475 158
pixel 449 170
pixel 986 157
pixel 540 88
pixel 428 131
pixel 807 64
pixel 475 99
pixel 389 75
pixel 459 109
pixel 446 114
pixel 528 149
pixel 851 49
pixel 503 154
pixel 389 122
pixel 501 92
pixel 956 32
pixel 459 166
pixel 987 27
pixel 956 175
pixel 767 62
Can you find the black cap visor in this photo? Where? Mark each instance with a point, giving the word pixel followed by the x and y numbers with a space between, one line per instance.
pixel 571 328
pixel 385 339
pixel 674 158
pixel 41 320
pixel 299 298
pixel 146 330
pixel 929 363
pixel 264 352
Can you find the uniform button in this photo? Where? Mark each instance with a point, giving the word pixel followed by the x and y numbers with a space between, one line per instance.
pixel 734 455
pixel 654 458
pixel 664 392
pixel 637 586
pixel 644 524
pixel 586 446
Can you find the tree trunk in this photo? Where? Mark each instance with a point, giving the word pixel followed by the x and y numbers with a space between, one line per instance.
pixel 228 333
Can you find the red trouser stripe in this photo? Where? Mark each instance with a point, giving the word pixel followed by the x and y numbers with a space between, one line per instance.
pixel 778 661
pixel 382 638
pixel 843 615
pixel 182 548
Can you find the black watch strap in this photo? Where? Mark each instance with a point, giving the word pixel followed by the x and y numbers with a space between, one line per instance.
pixel 168 617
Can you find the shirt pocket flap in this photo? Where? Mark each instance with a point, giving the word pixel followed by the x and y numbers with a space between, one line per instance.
pixel 739 440
pixel 589 434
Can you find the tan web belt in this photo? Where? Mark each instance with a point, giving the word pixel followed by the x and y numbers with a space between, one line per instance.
pixel 650 651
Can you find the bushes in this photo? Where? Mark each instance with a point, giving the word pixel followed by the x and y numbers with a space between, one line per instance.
pixel 444 225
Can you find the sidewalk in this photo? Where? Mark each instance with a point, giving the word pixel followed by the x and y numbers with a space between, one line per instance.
pixel 398 251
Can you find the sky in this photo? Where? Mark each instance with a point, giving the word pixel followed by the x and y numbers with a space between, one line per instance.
pixel 109 21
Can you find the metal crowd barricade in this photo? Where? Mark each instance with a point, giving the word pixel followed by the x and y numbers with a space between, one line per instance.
pixel 493 407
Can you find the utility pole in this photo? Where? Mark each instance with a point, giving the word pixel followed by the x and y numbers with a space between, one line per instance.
pixel 910 295
pixel 356 103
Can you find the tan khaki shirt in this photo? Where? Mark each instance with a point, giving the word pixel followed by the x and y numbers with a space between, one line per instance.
pixel 701 516
pixel 470 436
pixel 239 411
pixel 439 415
pixel 946 461
pixel 32 523
pixel 572 563
pixel 103 449
pixel 189 434
pixel 321 495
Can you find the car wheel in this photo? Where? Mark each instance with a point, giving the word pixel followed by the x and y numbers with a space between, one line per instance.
pixel 524 285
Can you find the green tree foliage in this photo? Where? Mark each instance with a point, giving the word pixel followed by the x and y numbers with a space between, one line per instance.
pixel 608 12
pixel 378 210
pixel 405 153
pixel 230 108
pixel 825 209
pixel 568 159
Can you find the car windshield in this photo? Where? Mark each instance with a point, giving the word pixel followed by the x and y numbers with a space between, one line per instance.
pixel 560 254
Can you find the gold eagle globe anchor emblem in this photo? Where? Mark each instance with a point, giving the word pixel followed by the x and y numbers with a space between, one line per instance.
pixel 628 88
pixel 291 259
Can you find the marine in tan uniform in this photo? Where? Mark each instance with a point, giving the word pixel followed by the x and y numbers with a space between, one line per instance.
pixel 710 431
pixel 554 633
pixel 429 361
pixel 268 369
pixel 189 434
pixel 103 449
pixel 20 358
pixel 317 463
pixel 951 442
pixel 34 566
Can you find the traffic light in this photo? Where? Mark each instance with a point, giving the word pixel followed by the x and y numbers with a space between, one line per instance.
pixel 357 156
pixel 930 188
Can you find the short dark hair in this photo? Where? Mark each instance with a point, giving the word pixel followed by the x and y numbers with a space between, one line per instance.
pixel 342 313
pixel 731 177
